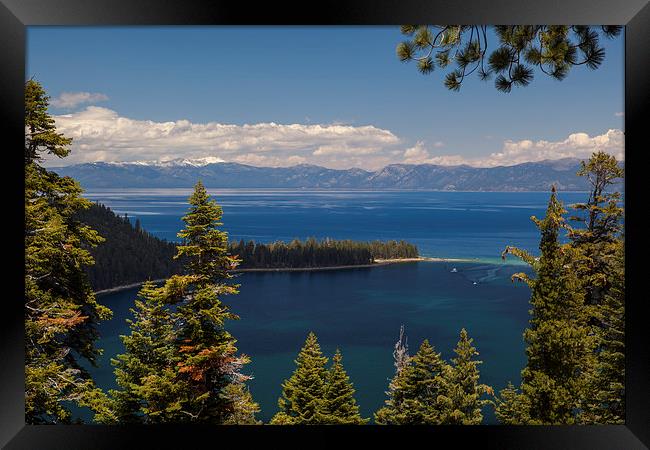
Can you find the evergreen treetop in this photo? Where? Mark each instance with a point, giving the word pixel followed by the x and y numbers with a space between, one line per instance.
pixel 461 401
pixel 40 129
pixel 204 245
pixel 414 391
pixel 302 400
pixel 340 407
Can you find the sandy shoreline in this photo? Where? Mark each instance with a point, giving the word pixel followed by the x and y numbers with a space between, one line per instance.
pixel 377 263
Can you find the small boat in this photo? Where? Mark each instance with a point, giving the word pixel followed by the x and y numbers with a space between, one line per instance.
pixel 474 282
pixel 454 270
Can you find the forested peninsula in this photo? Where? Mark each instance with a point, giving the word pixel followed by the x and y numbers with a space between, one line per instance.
pixel 131 255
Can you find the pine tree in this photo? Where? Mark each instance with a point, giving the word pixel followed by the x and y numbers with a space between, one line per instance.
pixel 340 407
pixel 181 365
pixel 413 392
pixel 208 361
pixel 61 312
pixel 145 372
pixel 302 401
pixel 599 236
pixel 461 401
pixel 559 342
pixel 599 243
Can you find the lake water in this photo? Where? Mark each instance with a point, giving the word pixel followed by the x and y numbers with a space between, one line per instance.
pixel 360 310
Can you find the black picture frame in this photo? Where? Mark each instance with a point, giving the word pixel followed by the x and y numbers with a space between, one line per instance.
pixel 16 15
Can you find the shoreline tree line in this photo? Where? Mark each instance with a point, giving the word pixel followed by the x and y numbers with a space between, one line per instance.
pixel 315 253
pixel 180 364
pixel 130 254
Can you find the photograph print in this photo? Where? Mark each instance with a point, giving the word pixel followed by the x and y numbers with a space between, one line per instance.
pixel 325 225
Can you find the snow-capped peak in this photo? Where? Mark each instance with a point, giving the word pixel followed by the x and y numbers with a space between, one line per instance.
pixel 195 162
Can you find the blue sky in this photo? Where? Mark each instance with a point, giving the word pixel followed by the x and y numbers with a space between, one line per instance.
pixel 334 96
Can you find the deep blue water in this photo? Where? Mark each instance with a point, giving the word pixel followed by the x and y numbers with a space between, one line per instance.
pixel 360 310
pixel 445 224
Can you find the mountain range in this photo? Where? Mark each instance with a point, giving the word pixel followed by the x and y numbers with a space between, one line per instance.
pixel 182 173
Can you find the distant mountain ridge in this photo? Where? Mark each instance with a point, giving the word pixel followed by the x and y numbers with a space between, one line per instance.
pixel 530 176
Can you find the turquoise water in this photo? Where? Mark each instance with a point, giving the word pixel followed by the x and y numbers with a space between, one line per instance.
pixel 360 310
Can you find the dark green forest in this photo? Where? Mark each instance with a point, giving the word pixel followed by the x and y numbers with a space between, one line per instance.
pixel 314 253
pixel 129 254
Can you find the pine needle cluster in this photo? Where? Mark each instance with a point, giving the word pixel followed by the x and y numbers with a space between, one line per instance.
pixel 520 49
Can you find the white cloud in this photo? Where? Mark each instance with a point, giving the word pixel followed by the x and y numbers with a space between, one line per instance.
pixel 619 114
pixel 576 145
pixel 447 160
pixel 344 150
pixel 418 154
pixel 101 134
pixel 255 159
pixel 68 100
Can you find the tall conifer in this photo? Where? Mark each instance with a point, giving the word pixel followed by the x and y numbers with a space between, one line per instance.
pixel 208 361
pixel 61 312
pixel 559 342
pixel 181 365
pixel 599 243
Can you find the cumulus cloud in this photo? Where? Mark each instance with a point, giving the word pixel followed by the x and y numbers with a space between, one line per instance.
pixel 619 114
pixel 101 134
pixel 330 149
pixel 576 145
pixel 69 100
pixel 418 154
pixel 256 159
